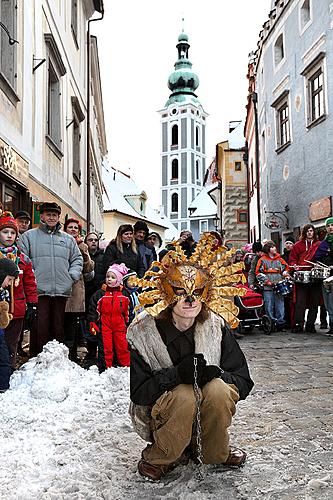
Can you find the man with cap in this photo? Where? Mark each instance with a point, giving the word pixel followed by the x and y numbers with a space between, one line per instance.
pixel 324 254
pixel 141 232
pixel 23 221
pixel 58 264
pixel 288 246
pixel 257 250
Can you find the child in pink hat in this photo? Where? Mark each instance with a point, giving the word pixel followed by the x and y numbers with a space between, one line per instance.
pixel 108 319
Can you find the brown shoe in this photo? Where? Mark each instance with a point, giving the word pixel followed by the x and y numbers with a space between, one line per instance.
pixel 154 472
pixel 236 458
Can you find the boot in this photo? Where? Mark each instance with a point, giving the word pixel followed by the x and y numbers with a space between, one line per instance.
pixel 153 472
pixel 310 328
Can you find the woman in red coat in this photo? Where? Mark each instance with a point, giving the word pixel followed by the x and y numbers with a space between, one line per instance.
pixel 108 319
pixel 24 292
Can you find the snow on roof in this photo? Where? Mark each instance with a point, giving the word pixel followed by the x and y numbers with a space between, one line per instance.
pixel 117 186
pixel 236 138
pixel 203 204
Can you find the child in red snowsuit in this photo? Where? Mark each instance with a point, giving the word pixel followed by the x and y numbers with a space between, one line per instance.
pixel 108 319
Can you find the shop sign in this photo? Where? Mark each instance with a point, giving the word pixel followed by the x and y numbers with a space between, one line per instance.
pixel 274 222
pixel 320 209
pixel 13 164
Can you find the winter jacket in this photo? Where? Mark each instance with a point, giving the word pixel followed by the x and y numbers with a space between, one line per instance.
pixel 76 302
pixel 324 253
pixel 251 279
pixel 26 291
pixel 56 259
pixel 93 285
pixel 153 372
pixel 131 259
pixel 302 251
pixel 146 253
pixel 272 267
pixel 111 302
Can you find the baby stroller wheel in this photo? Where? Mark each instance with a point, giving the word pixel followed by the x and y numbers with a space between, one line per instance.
pixel 267 325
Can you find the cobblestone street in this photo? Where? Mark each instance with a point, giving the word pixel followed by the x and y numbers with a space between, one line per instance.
pixel 286 424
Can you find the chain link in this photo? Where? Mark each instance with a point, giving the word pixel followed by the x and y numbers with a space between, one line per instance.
pixel 198 417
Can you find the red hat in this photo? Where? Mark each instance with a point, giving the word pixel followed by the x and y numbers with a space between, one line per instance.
pixel 7 220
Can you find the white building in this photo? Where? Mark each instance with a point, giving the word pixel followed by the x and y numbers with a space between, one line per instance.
pixel 183 152
pixel 44 105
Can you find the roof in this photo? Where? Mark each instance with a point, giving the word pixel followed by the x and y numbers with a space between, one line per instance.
pixel 236 138
pixel 117 187
pixel 203 204
pixel 98 5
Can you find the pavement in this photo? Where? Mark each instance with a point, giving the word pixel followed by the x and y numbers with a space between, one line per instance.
pixel 286 424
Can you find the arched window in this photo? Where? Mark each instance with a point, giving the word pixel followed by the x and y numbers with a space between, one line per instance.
pixel 174 135
pixel 278 50
pixel 174 169
pixel 174 202
pixel 197 136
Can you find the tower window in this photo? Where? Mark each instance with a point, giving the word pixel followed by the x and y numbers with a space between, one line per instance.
pixel 197 135
pixel 278 50
pixel 174 169
pixel 197 170
pixel 174 135
pixel 174 202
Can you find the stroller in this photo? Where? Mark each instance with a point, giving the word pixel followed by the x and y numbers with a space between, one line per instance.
pixel 252 312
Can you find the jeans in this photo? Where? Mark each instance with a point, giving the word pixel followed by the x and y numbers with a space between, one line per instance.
pixel 5 364
pixel 328 301
pixel 274 306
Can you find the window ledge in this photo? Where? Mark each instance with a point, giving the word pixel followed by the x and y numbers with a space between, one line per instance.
pixel 7 89
pixel 316 121
pixel 77 179
pixel 282 148
pixel 54 147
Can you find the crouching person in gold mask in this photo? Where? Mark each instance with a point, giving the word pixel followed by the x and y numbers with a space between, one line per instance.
pixel 187 370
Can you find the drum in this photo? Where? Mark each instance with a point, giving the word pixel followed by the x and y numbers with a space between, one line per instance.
pixel 320 273
pixel 302 276
pixel 283 287
pixel 328 284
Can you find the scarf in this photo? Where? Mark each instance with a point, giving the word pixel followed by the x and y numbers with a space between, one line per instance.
pixel 11 253
pixel 329 238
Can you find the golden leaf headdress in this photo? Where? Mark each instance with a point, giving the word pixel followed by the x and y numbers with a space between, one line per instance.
pixel 208 275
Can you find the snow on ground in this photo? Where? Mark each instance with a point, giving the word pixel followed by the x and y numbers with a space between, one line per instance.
pixel 66 434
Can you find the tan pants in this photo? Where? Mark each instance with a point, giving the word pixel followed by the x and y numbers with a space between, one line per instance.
pixel 174 418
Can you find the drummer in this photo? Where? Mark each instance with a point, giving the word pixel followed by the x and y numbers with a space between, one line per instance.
pixel 324 254
pixel 306 295
pixel 274 268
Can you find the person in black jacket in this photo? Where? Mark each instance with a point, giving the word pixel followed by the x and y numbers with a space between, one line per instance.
pixel 184 357
pixel 141 232
pixel 124 250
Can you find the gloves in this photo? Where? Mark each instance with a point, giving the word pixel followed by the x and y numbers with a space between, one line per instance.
pixel 210 372
pixel 186 368
pixel 93 328
pixel 30 314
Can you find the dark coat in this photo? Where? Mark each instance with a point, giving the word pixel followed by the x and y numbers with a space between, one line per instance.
pixel 146 253
pixel 131 259
pixel 93 285
pixel 324 253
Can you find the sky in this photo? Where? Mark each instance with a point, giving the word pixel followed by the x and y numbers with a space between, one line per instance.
pixel 137 50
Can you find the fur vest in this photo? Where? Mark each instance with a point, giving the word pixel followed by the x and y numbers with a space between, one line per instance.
pixel 144 337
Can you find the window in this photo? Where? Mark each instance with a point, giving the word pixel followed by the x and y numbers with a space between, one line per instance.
pixel 174 169
pixel 238 166
pixel 263 148
pixel 282 118
pixel 242 216
pixel 203 226
pixel 74 18
pixel 78 116
pixel 174 202
pixel 278 50
pixel 56 70
pixel 305 14
pixel 315 90
pixel 174 135
pixel 8 17
pixel 197 136
pixel 197 170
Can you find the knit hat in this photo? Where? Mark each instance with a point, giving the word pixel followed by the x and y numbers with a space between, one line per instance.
pixel 329 221
pixel 49 206
pixel 22 214
pixel 125 228
pixel 7 268
pixel 290 239
pixel 129 275
pixel 248 247
pixel 140 225
pixel 257 247
pixel 7 220
pixel 157 237
pixel 119 270
pixel 68 221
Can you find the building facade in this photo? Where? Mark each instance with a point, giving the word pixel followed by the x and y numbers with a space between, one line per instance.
pixel 183 154
pixel 294 84
pixel 233 198
pixel 43 108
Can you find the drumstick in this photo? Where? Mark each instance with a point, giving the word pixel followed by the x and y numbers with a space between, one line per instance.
pixel 319 264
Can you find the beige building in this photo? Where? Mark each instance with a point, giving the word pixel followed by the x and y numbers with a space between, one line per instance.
pixel 232 202
pixel 44 105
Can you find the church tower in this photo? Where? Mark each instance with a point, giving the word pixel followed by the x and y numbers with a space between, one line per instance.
pixel 183 153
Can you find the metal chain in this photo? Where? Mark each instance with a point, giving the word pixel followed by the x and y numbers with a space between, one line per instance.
pixel 198 417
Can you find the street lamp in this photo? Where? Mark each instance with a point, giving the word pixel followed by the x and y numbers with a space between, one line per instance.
pixel 216 222
pixel 11 40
